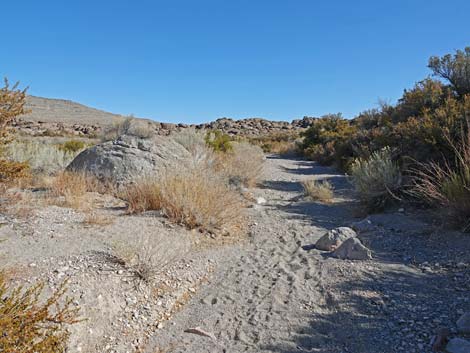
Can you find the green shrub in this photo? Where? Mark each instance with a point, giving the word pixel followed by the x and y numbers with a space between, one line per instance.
pixel 29 324
pixel 72 146
pixel 376 179
pixel 218 141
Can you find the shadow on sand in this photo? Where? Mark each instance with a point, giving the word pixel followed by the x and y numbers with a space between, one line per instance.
pixel 370 312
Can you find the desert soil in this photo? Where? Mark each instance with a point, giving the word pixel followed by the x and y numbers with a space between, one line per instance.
pixel 269 292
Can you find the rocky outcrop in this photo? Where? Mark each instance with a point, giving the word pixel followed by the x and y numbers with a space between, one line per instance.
pixel 129 157
pixel 256 126
pixel 58 117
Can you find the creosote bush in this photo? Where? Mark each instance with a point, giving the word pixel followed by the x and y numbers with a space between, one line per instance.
pixel 318 190
pixel 376 179
pixel 29 324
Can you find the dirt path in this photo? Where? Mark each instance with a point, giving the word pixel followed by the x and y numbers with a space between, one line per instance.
pixel 266 290
pixel 276 294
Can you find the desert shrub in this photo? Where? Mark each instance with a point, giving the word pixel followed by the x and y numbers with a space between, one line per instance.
pixel 377 179
pixel 318 190
pixel 279 143
pixel 218 141
pixel 72 146
pixel 29 324
pixel 327 140
pixel 12 102
pixel 447 184
pixel 43 157
pixel 454 68
pixel 195 196
pixel 11 170
pixel 128 126
pixel 243 165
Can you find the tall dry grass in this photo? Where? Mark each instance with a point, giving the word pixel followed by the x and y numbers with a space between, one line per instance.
pixel 194 196
pixel 447 185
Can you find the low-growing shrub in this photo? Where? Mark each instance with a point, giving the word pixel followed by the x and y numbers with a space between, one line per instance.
pixel 218 141
pixel 72 146
pixel 318 190
pixel 30 324
pixel 195 196
pixel 42 156
pixel 377 179
pixel 285 144
pixel 11 170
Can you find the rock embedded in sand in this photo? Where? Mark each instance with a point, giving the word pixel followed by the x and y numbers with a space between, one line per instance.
pixel 352 249
pixel 363 226
pixel 463 323
pixel 458 345
pixel 334 238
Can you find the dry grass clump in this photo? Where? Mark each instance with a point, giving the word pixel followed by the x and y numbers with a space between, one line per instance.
pixel 29 324
pixel 145 256
pixel 377 178
pixel 71 188
pixel 243 165
pixel 447 185
pixel 96 219
pixel 194 196
pixel 318 190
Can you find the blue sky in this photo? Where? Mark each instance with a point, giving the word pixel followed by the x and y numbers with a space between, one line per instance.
pixel 195 61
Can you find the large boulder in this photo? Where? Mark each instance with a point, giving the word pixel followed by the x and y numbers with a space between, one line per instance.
pixel 334 238
pixel 129 157
pixel 352 249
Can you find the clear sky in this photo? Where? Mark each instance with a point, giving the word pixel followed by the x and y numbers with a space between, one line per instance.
pixel 197 60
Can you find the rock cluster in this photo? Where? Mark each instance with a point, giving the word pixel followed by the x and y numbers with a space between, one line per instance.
pixel 344 244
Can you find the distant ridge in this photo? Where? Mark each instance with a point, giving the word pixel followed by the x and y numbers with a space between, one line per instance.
pixel 50 110
pixel 49 116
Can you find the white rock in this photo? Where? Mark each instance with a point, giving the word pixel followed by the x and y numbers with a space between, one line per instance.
pixel 261 200
pixel 353 249
pixel 334 238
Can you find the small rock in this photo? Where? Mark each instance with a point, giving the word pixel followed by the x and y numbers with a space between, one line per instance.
pixel 463 323
pixel 334 238
pixel 458 345
pixel 353 249
pixel 261 200
pixel 363 226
